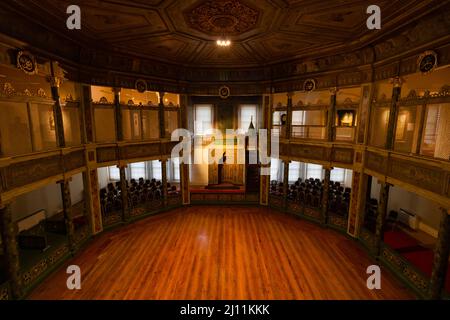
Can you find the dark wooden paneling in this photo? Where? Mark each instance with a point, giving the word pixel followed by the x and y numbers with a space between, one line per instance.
pixel 140 151
pixel 20 174
pixel 308 152
pixel 74 160
pixel 376 162
pixel 107 154
pixel 342 155
pixel 423 176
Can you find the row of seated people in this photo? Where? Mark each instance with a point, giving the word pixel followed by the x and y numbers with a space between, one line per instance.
pixel 139 191
pixel 309 192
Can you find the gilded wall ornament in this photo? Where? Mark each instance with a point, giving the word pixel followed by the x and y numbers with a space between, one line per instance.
pixel 427 62
pixel 309 85
pixel 224 92
pixel 8 89
pixel 41 93
pixel 26 62
pixel 140 85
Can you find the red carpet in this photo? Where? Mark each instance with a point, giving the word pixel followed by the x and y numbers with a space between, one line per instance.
pixel 411 250
pixel 399 240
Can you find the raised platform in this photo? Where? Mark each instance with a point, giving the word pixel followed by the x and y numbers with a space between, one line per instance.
pixel 223 188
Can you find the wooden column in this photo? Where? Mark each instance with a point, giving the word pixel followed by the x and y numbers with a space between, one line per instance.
pixel 381 217
pixel 357 203
pixel 325 197
pixel 67 210
pixel 331 115
pixel 441 256
pixel 9 233
pixel 423 114
pixel 87 199
pixel 162 122
pixel 285 182
pixel 164 180
pixel 124 193
pixel 55 82
pixel 87 114
pixel 289 116
pixel 118 114
pixel 393 112
pixel 184 100
pixel 184 179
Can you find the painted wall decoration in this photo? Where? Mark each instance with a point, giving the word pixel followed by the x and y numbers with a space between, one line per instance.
pixel 26 62
pixel 97 225
pixel 427 62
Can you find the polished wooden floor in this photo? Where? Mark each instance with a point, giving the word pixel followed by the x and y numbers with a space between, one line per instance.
pixel 221 253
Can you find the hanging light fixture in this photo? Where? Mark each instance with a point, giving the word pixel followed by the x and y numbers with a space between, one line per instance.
pixel 223 43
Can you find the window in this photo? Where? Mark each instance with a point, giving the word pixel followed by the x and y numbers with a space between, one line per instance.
pixel 247 114
pixel 138 170
pixel 314 171
pixel 175 169
pixel 274 168
pixel 338 175
pixel 294 171
pixel 114 173
pixel 156 170
pixel 203 119
pixel 309 124
pixel 298 118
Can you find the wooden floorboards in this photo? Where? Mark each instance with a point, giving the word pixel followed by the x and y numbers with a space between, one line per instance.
pixel 223 252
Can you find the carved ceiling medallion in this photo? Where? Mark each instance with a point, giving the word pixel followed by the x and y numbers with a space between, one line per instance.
pixel 224 92
pixel 427 62
pixel 141 85
pixel 309 85
pixel 26 62
pixel 218 17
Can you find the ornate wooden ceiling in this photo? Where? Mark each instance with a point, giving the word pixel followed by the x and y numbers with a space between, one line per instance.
pixel 184 31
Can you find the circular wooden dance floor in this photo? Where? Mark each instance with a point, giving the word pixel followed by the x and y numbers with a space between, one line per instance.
pixel 221 253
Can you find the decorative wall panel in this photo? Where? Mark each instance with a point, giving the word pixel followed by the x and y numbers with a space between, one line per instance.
pixel 140 151
pixel 342 155
pixel 32 275
pixel 308 152
pixel 107 154
pixel 414 277
pixel 376 162
pixel 20 174
pixel 74 160
pixel 427 177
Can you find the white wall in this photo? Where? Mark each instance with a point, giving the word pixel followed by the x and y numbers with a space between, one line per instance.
pixel 103 177
pixel 428 211
pixel 47 198
pixel 77 188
